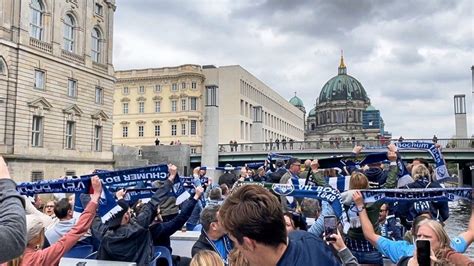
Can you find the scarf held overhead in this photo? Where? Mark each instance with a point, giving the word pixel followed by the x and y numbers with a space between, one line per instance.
pixel 82 184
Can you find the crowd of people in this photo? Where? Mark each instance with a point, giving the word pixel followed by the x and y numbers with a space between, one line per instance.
pixel 241 222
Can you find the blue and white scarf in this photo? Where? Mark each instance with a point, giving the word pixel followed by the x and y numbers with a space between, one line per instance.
pixel 417 194
pixel 441 171
pixel 82 184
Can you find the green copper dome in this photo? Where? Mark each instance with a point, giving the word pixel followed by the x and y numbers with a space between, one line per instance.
pixel 296 101
pixel 312 112
pixel 342 88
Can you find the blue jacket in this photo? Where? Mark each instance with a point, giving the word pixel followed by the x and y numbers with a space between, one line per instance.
pixel 307 249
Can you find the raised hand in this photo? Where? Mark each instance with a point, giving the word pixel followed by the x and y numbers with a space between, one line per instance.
pixel 97 186
pixel 172 170
pixel 199 191
pixel 4 169
pixel 392 156
pixel 120 194
pixel 392 147
pixel 358 199
pixel 357 149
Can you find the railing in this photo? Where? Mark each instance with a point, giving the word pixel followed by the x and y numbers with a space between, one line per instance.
pixel 43 46
pixel 334 144
pixel 72 56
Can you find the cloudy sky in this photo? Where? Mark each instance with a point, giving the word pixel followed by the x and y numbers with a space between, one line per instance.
pixel 412 57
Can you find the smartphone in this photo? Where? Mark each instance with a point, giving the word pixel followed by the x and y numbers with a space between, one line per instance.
pixel 330 227
pixel 423 252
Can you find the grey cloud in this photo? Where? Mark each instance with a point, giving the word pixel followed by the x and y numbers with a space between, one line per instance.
pixel 401 51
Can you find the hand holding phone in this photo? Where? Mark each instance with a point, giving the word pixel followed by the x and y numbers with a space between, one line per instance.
pixel 330 227
pixel 423 252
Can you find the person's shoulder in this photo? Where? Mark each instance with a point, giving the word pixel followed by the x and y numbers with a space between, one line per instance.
pixel 304 237
pixel 308 249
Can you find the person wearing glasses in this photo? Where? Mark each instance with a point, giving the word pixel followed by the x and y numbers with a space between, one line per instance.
pixel 48 209
pixel 290 177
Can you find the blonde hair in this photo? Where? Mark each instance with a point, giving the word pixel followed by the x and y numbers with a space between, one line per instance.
pixel 236 258
pixel 419 171
pixel 443 238
pixel 206 258
pixel 358 181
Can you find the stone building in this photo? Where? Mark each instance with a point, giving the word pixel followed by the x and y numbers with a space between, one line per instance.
pixel 158 103
pixel 343 111
pixel 56 86
pixel 168 103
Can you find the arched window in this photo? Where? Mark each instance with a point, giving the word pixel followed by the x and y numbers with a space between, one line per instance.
pixel 96 46
pixel 2 67
pixel 36 22
pixel 69 24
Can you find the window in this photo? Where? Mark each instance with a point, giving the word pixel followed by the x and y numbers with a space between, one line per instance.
pixel 97 138
pixel 183 129
pixel 37 131
pixel 70 173
pixel 173 130
pixel 125 90
pixel 125 132
pixel 157 88
pixel 141 107
pixel 141 89
pixel 173 105
pixel 39 79
pixel 36 21
pixel 193 85
pixel 70 130
pixel 157 130
pixel 37 176
pixel 2 66
pixel 183 104
pixel 183 85
pixel 157 106
pixel 193 103
pixel 68 36
pixel 193 127
pixel 72 88
pixel 98 9
pixel 96 46
pixel 99 95
pixel 125 108
pixel 140 131
pixel 174 87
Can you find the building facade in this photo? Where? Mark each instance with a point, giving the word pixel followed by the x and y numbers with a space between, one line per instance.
pixel 159 103
pixel 250 111
pixel 56 86
pixel 168 104
pixel 343 111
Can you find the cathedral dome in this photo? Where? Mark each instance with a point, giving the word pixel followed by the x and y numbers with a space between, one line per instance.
pixel 312 112
pixel 343 88
pixel 296 101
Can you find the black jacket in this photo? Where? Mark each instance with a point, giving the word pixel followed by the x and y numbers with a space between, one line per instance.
pixel 131 242
pixel 438 209
pixel 161 232
pixel 203 243
pixel 227 178
pixel 275 177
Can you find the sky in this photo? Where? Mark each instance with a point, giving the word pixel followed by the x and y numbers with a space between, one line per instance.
pixel 412 57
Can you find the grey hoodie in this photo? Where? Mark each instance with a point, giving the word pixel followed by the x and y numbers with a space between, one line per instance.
pixel 12 221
